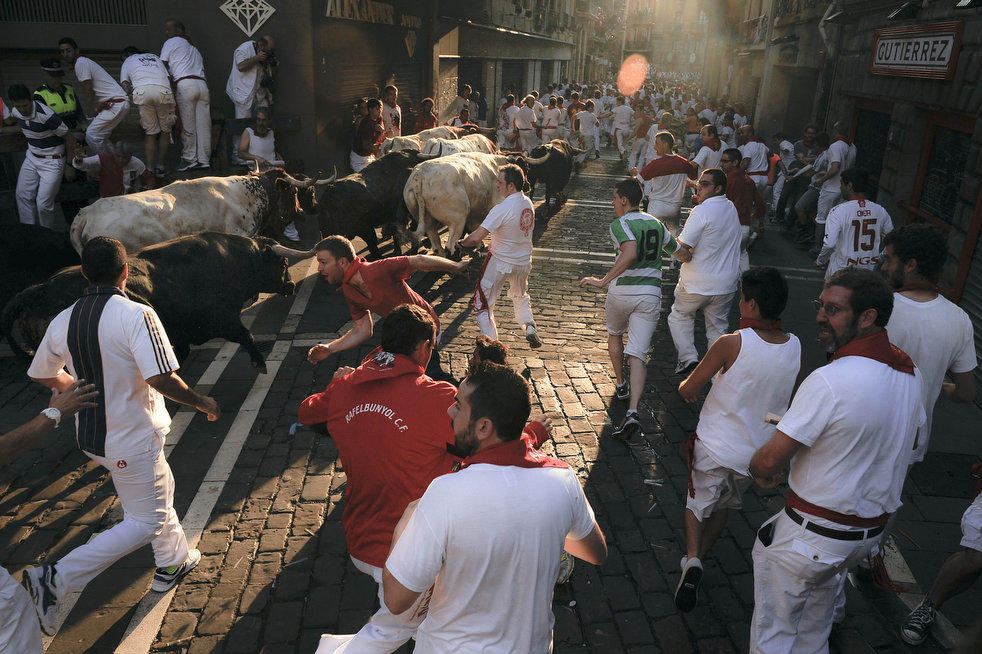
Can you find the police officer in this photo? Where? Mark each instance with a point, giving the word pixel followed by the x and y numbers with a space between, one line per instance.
pixel 59 96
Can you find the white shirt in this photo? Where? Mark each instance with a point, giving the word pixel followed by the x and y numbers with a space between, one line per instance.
pixel 588 122
pixel 786 152
pixel 708 114
pixel 133 347
pixel 731 423
pixel 538 108
pixel 551 117
pixel 853 231
pixel 143 69
pixel 525 117
pixel 857 418
pixel 103 85
pixel 938 336
pixel 622 117
pixel 241 85
pixel 509 116
pixel 845 155
pixel 728 136
pixel 713 231
pixel 708 158
pixel 182 58
pixel 392 120
pixel 93 165
pixel 739 120
pixel 262 146
pixel 493 554
pixel 757 152
pixel 510 224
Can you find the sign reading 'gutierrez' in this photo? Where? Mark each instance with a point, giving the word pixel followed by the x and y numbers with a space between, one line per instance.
pixel 929 51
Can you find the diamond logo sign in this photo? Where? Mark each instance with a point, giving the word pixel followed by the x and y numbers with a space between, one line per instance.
pixel 249 15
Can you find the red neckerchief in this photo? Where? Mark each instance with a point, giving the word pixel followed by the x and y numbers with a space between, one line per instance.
pixel 754 323
pixel 352 268
pixel 713 144
pixel 919 286
pixel 518 452
pixel 877 346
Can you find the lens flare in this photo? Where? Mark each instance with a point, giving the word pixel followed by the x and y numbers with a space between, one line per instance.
pixel 633 72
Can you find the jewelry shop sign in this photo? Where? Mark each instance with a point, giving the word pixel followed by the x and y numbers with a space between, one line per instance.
pixel 926 51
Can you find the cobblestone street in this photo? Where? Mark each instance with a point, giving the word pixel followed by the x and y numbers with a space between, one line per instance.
pixel 264 506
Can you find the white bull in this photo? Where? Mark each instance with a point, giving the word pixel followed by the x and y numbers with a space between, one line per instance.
pixel 456 191
pixel 239 204
pixel 469 143
pixel 416 141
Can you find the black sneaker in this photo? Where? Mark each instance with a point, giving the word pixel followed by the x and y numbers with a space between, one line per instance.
pixel 629 428
pixel 914 630
pixel 685 367
pixel 186 165
pixel 622 391
pixel 533 337
pixel 40 583
pixel 686 591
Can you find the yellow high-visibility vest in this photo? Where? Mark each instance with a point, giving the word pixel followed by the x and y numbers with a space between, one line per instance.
pixel 53 99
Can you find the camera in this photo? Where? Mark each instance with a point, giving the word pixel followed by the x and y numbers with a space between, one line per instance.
pixel 271 58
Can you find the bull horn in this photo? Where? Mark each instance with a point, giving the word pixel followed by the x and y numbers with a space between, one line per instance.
pixel 256 164
pixel 329 180
pixel 536 161
pixel 291 254
pixel 293 181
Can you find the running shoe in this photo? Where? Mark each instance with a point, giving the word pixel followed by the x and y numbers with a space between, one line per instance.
pixel 40 583
pixel 686 591
pixel 629 428
pixel 685 367
pixel 533 337
pixel 186 165
pixel 159 171
pixel 622 391
pixel 914 630
pixel 166 578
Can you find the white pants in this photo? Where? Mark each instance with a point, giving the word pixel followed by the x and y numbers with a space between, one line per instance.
pixel 19 629
pixel 550 133
pixel 527 139
pixel 505 141
pixel 826 200
pixel 620 139
pixel 796 579
pixel 194 106
pixel 37 185
pixel 385 632
pixel 776 190
pixel 590 141
pixel 244 110
pixel 145 486
pixel 637 152
pixel 98 132
pixel 761 182
pixel 358 162
pixel 495 275
pixel 744 255
pixel 682 320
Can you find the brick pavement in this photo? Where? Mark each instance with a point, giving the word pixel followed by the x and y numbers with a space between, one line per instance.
pixel 274 573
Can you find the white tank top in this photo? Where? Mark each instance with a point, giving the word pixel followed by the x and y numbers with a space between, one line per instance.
pixel 262 146
pixel 731 423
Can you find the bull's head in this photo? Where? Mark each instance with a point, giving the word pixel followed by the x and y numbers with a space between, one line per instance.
pixel 289 196
pixel 275 267
pixel 523 163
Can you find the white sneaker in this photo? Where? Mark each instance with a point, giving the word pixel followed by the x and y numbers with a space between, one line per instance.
pixel 166 578
pixel 40 583
pixel 687 590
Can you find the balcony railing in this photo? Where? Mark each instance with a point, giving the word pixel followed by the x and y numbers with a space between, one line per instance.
pixel 784 8
pixel 753 32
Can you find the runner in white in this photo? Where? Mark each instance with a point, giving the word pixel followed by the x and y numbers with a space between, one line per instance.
pixel 551 120
pixel 849 431
pixel 855 228
pixel 754 372
pixel 634 297
pixel 755 160
pixel 187 69
pixel 840 156
pixel 509 258
pixel 589 129
pixel 110 96
pixel 525 123
pixel 621 116
pixel 664 179
pixel 711 151
pixel 144 76
pixel 710 273
pixel 935 332
pixel 121 347
pixel 391 111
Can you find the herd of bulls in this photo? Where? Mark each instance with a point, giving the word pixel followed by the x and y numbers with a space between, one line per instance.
pixel 202 249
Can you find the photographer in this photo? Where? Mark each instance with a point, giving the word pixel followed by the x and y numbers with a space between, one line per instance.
pixel 250 82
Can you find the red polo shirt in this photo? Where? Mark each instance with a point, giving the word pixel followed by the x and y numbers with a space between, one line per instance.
pixel 390 424
pixel 742 192
pixel 386 282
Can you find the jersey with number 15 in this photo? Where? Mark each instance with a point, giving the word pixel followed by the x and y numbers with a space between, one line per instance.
pixel 854 230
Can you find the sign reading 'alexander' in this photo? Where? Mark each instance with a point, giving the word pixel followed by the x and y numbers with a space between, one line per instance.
pixel 927 51
pixel 369 11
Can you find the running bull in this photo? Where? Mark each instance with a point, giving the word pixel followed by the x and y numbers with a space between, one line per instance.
pixel 355 205
pixel 30 253
pixel 240 204
pixel 198 286
pixel 458 191
pixel 559 159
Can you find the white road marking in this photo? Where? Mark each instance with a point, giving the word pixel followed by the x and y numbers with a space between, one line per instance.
pixel 592 254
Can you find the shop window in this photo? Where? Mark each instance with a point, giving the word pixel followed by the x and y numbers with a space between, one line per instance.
pixel 944 174
pixel 97 12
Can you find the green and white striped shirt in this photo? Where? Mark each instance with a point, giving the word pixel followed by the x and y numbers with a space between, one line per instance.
pixel 653 239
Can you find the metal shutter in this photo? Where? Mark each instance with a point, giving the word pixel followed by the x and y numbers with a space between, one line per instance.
pixel 971 302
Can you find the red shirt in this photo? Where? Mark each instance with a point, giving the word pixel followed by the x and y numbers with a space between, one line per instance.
pixel 111 177
pixel 670 164
pixel 390 424
pixel 742 192
pixel 424 121
pixel 369 134
pixel 386 282
pixel 644 124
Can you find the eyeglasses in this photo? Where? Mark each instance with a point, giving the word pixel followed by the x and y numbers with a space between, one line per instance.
pixel 830 309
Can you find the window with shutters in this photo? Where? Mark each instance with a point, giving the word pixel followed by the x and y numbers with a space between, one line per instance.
pixel 945 172
pixel 93 12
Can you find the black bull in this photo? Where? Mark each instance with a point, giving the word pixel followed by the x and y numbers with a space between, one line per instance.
pixel 198 286
pixel 555 170
pixel 355 205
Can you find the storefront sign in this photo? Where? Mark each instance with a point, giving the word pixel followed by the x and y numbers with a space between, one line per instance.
pixel 927 51
pixel 369 11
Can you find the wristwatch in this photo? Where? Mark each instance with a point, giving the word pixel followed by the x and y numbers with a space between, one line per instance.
pixel 52 413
